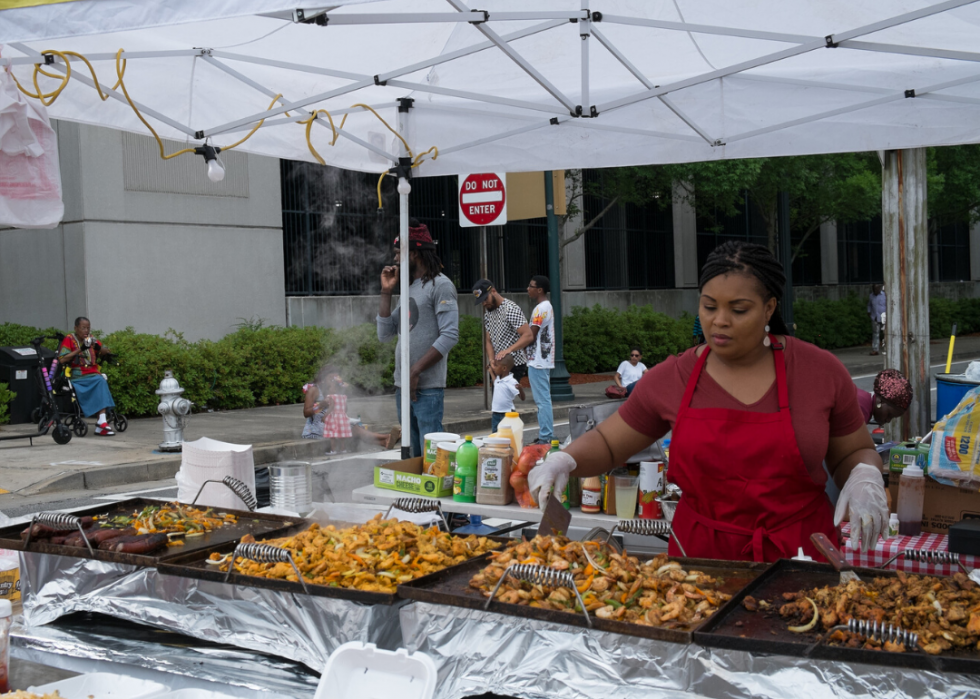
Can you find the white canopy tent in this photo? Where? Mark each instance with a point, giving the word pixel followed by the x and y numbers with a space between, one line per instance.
pixel 517 85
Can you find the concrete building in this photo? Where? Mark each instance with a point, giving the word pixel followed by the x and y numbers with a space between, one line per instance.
pixel 149 243
pixel 153 244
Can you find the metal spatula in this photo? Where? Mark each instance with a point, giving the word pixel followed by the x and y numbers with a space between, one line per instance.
pixel 835 557
pixel 556 519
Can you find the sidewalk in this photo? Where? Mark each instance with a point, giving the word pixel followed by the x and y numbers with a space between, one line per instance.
pixel 131 457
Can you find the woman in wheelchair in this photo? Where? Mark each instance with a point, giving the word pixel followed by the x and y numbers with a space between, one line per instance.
pixel 80 352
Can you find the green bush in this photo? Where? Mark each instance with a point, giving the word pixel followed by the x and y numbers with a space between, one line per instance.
pixel 833 324
pixel 598 339
pixel 6 398
pixel 466 358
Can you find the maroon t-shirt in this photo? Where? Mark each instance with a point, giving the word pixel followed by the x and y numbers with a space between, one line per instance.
pixel 822 399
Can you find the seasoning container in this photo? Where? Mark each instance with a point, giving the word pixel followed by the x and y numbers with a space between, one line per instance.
pixel 493 478
pixel 464 480
pixel 892 525
pixel 591 494
pixel 911 493
pixel 445 463
pixel 651 488
pixel 516 425
pixel 6 616
pixel 430 448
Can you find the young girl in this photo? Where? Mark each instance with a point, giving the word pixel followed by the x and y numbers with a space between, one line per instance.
pixel 325 408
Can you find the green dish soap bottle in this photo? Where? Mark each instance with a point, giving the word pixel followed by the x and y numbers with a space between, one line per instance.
pixel 464 482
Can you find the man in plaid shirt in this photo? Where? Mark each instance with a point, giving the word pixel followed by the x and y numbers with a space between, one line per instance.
pixel 505 325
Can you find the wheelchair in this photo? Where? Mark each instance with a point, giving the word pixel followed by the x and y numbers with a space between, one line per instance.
pixel 70 410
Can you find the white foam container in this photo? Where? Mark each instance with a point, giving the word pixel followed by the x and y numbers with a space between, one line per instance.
pixel 194 693
pixel 102 685
pixel 361 671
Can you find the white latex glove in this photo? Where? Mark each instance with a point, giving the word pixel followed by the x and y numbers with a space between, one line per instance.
pixel 550 476
pixel 864 495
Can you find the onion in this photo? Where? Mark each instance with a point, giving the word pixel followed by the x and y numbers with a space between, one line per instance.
pixel 220 561
pixel 813 621
pixel 407 558
pixel 667 566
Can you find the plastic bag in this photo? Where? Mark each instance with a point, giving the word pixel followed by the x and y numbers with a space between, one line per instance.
pixel 30 175
pixel 973 371
pixel 530 456
pixel 954 458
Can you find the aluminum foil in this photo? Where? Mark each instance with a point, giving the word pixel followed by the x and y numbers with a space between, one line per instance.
pixel 299 627
pixel 477 652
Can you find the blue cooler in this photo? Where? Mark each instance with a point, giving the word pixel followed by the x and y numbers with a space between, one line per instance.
pixel 950 389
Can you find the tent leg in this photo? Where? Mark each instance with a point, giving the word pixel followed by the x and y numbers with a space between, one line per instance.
pixel 403 317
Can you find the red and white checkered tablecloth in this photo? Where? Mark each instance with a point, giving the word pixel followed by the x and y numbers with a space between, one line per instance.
pixel 887 548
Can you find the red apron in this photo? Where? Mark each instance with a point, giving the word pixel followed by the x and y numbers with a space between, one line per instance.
pixel 747 494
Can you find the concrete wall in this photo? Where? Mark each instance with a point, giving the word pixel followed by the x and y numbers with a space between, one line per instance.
pixel 149 243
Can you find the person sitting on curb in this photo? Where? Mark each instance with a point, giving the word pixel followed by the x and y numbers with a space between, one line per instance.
pixel 630 371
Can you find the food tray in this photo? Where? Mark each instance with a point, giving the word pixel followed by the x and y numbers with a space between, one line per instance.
pixel 767 633
pixel 452 587
pixel 254 523
pixel 102 685
pixel 192 565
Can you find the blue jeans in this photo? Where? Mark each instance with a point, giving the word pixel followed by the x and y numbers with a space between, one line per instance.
pixel 426 414
pixel 495 419
pixel 629 388
pixel 541 386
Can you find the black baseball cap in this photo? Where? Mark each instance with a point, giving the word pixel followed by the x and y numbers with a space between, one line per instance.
pixel 481 290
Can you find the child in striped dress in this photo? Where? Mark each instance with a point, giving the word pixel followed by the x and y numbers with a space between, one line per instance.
pixel 331 404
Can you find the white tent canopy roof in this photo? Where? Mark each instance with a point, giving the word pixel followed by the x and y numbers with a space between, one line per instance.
pixel 515 86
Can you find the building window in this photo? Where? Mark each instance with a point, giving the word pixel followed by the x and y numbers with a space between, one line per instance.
pixel 949 251
pixel 631 247
pixel 859 252
pixel 715 228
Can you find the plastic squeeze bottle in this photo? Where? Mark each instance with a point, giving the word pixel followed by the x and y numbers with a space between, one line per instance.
pixel 591 494
pixel 911 493
pixel 516 425
pixel 464 481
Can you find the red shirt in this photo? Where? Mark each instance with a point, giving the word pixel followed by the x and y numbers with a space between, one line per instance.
pixel 866 402
pixel 822 399
pixel 85 362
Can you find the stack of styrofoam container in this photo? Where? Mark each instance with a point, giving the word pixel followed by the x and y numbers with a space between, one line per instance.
pixel 211 460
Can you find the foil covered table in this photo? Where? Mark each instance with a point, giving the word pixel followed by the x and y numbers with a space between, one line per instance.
pixel 295 626
pixel 477 652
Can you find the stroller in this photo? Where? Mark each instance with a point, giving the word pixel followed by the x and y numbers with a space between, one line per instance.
pixel 67 405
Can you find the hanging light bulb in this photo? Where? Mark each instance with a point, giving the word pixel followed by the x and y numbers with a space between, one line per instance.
pixel 215 170
pixel 216 173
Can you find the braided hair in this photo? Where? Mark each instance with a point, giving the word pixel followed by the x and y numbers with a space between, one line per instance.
pixel 892 386
pixel 750 259
pixel 430 263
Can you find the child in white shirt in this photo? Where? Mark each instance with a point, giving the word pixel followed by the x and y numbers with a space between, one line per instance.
pixel 505 389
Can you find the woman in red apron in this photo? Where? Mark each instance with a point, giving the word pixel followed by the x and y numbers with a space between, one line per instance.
pixel 754 414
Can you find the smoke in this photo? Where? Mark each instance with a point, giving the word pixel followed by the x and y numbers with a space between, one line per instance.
pixel 335 241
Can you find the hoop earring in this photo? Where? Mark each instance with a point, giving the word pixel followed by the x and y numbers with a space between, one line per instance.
pixel 766 341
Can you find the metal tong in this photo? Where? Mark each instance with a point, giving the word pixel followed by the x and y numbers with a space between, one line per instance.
pixel 544 576
pixel 878 631
pixel 640 527
pixel 418 505
pixel 264 553
pixel 235 486
pixel 926 556
pixel 60 521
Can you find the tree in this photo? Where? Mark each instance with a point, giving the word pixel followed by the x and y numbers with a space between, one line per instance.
pixel 822 188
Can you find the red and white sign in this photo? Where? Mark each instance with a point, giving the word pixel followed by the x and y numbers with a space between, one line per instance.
pixel 482 199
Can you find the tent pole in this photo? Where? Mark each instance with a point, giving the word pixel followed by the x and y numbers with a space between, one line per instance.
pixel 404 281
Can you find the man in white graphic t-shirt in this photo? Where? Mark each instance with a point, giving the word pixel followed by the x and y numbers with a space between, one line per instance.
pixel 540 355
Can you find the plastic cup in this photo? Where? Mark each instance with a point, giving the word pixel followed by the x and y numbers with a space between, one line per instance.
pixel 625 496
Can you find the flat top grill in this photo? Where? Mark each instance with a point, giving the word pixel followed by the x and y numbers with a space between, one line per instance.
pixel 254 523
pixel 452 587
pixel 736 628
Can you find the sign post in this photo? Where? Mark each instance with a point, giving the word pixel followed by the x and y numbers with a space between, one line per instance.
pixel 482 199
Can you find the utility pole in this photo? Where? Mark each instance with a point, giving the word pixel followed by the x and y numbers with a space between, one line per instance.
pixel 561 390
pixel 483 315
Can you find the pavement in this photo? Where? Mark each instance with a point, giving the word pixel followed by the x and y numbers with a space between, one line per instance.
pixel 132 458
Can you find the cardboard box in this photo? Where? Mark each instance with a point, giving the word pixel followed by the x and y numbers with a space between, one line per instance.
pixel 943 506
pixel 407 477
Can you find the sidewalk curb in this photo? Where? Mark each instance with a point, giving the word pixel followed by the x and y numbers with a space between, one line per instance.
pixel 872 367
pixel 166 467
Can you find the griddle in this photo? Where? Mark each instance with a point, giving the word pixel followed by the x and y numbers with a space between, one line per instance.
pixel 192 565
pixel 254 523
pixel 765 632
pixel 452 587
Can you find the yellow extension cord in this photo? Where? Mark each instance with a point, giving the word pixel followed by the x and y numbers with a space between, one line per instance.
pixel 48 98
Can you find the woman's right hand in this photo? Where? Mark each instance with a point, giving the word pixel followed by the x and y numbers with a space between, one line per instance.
pixel 550 476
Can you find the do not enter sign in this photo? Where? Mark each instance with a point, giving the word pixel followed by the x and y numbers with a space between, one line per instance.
pixel 482 199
